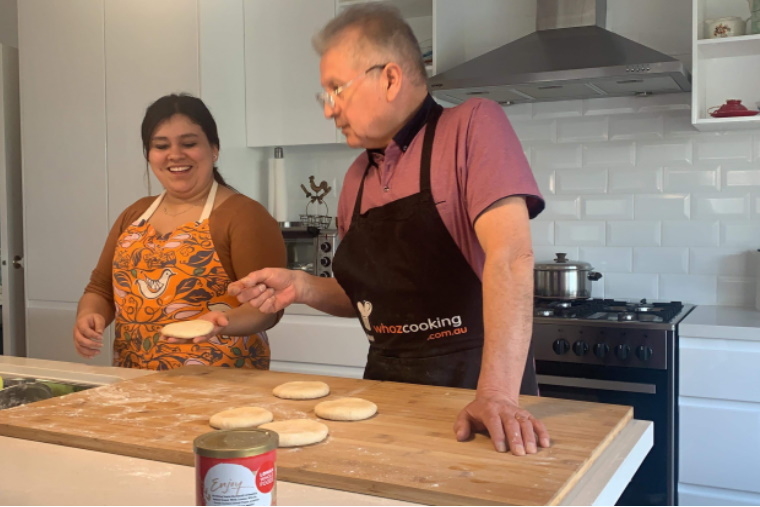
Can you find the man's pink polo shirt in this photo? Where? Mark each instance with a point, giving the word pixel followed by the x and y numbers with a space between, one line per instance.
pixel 476 161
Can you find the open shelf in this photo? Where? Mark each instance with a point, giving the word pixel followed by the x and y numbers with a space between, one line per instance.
pixel 744 45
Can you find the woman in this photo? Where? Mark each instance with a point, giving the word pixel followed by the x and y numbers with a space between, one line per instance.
pixel 170 258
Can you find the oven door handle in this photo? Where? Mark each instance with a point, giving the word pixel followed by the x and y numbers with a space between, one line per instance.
pixel 587 383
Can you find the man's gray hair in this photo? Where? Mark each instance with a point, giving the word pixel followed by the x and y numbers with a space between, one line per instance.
pixel 382 30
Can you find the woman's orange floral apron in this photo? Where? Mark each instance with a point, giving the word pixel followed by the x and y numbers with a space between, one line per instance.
pixel 158 280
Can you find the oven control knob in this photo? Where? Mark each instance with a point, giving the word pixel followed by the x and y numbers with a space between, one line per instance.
pixel 561 346
pixel 325 247
pixel 622 351
pixel 325 261
pixel 644 353
pixel 325 274
pixel 601 350
pixel 580 348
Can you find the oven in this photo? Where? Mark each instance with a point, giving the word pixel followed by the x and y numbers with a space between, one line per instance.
pixel 310 249
pixel 624 353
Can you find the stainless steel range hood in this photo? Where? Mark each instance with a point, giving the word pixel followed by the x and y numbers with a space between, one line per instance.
pixel 579 60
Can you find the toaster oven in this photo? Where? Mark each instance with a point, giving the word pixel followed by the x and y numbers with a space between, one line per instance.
pixel 310 249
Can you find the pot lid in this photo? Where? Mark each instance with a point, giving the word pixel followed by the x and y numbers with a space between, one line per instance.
pixel 562 263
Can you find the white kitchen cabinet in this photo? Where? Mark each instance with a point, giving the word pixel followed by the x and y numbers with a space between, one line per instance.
pixel 723 68
pixel 307 341
pixel 719 428
pixel 282 68
pixel 282 73
pixel 88 70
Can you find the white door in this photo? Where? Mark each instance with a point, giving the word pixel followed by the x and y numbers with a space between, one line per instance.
pixel 11 224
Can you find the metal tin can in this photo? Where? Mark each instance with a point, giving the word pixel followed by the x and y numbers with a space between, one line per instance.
pixel 236 467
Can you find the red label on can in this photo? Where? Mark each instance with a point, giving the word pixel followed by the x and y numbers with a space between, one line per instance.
pixel 236 481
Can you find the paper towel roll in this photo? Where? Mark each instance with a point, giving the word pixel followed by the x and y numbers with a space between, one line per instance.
pixel 280 193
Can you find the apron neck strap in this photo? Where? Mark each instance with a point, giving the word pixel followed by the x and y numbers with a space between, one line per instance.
pixel 427 150
pixel 207 208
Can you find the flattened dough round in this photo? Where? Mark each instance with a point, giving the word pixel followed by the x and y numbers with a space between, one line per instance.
pixel 346 409
pixel 237 418
pixel 298 432
pixel 188 329
pixel 301 390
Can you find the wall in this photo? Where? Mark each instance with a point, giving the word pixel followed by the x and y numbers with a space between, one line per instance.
pixel 9 23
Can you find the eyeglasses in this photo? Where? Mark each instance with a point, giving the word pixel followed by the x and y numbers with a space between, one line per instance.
pixel 328 98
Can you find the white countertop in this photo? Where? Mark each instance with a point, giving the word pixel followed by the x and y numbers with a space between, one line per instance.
pixel 35 473
pixel 726 322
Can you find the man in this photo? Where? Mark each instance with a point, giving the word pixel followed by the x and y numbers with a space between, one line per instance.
pixel 435 256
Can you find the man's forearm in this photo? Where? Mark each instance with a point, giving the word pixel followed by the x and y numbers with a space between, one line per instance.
pixel 326 295
pixel 508 321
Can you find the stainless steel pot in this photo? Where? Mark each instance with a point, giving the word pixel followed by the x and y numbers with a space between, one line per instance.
pixel 563 279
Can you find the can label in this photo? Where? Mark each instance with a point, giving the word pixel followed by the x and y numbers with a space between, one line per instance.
pixel 236 481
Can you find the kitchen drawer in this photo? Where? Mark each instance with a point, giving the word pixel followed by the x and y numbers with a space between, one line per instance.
pixel 720 369
pixel 319 340
pixel 719 444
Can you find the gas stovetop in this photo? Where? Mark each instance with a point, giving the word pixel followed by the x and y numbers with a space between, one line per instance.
pixel 611 312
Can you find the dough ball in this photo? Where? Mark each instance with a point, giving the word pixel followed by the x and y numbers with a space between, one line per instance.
pixel 346 409
pixel 238 418
pixel 297 432
pixel 188 329
pixel 301 390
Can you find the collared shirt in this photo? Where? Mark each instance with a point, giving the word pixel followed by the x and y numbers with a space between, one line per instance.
pixel 477 160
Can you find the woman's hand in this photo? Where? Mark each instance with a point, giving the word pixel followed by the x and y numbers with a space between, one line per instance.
pixel 218 319
pixel 88 334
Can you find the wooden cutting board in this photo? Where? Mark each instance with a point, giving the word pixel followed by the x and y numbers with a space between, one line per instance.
pixel 406 452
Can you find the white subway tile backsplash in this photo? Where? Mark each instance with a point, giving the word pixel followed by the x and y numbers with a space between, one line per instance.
pixel 542 233
pixel 607 207
pixel 631 286
pixel 667 152
pixel 662 207
pixel 691 179
pixel 557 157
pixel 534 131
pixel 607 259
pixel 740 235
pixel 583 181
pixel 613 105
pixel 736 291
pixel 561 109
pixel 581 233
pixel 691 233
pixel 674 260
pixel 724 147
pixel 593 128
pixel 519 112
pixel 636 126
pixel 678 124
pixel 561 208
pixel 545 180
pixel 719 261
pixel 692 289
pixel 741 177
pixel 639 180
pixel 611 154
pixel 666 102
pixel 720 206
pixel 634 233
pixel 547 254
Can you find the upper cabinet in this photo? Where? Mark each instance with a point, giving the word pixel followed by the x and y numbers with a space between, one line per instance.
pixel 282 68
pixel 726 63
pixel 282 73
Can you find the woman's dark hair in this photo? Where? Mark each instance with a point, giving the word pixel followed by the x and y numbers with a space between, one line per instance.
pixel 184 104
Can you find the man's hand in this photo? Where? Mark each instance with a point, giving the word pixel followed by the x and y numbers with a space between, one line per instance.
pixel 509 426
pixel 269 289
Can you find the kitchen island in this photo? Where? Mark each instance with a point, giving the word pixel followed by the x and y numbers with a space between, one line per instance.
pixel 44 473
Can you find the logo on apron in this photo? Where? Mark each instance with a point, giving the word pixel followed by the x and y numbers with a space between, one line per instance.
pixel 365 309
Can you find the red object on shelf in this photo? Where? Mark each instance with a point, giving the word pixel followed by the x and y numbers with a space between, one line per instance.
pixel 732 107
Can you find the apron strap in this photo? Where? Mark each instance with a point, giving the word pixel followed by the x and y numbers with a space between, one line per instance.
pixel 207 208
